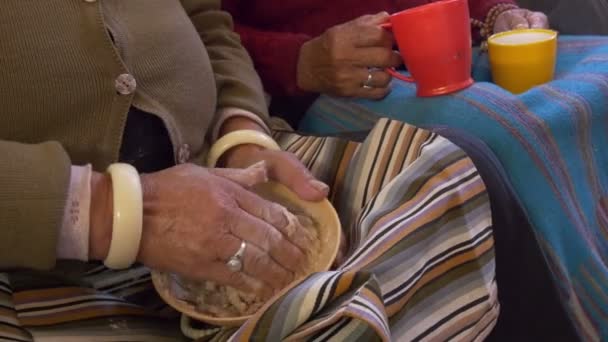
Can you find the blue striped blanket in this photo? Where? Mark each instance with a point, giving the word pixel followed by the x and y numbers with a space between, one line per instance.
pixel 552 142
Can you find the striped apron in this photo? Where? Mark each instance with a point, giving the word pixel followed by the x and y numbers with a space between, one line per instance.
pixel 420 265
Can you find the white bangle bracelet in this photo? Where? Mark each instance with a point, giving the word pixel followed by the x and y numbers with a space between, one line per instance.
pixel 236 138
pixel 128 216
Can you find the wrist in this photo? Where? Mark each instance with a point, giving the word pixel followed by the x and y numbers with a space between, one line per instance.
pixel 234 154
pixel 148 199
pixel 239 156
pixel 246 139
pixel 238 123
pixel 101 210
pixel 240 138
pixel 304 81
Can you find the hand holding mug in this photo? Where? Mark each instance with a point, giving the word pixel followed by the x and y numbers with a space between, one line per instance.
pixel 338 62
pixel 435 41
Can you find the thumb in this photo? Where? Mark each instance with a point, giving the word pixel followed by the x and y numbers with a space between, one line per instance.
pixel 286 169
pixel 254 174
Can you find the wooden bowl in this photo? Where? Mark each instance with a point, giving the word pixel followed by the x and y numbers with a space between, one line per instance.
pixel 329 235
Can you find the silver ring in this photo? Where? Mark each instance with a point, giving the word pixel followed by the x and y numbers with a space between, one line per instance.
pixel 368 82
pixel 235 264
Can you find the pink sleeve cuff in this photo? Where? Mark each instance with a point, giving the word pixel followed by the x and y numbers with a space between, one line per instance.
pixel 73 241
pixel 224 114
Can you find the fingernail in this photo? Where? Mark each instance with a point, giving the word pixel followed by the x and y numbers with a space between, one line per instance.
pixel 319 186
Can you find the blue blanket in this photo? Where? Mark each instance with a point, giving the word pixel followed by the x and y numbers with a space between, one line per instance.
pixel 553 144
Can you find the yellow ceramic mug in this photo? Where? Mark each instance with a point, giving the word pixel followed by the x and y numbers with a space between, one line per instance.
pixel 522 59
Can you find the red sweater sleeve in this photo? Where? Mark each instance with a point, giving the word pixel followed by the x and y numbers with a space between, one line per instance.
pixel 275 55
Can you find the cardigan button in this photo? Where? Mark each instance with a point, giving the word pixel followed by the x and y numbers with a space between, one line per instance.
pixel 125 84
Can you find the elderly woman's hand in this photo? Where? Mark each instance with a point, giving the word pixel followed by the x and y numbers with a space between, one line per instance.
pixel 520 19
pixel 195 220
pixel 338 62
pixel 284 168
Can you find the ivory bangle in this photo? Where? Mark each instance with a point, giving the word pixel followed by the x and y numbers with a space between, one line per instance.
pixel 236 138
pixel 128 216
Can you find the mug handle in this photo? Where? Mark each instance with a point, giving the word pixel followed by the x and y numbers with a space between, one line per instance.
pixel 399 76
pixel 388 26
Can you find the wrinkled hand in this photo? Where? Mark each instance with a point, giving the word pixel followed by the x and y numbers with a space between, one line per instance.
pixel 196 218
pixel 337 62
pixel 284 168
pixel 520 19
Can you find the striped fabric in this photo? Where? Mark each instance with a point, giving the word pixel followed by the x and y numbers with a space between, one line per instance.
pixel 420 266
pixel 552 143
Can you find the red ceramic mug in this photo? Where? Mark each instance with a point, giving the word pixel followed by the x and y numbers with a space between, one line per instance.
pixel 435 42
